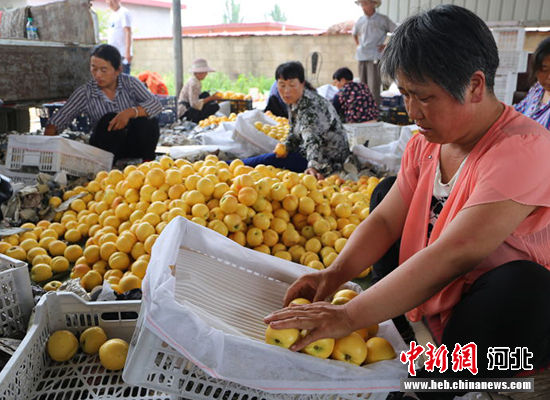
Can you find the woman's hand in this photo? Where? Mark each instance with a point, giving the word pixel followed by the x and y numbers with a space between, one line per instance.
pixel 316 286
pixel 121 119
pixel 321 319
pixel 315 173
pixel 50 130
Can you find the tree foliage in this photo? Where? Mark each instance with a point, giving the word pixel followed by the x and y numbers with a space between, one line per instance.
pixel 232 13
pixel 277 14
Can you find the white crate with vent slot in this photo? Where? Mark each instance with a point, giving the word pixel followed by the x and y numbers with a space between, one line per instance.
pixel 201 332
pixel 31 374
pixel 371 134
pixel 509 38
pixel 16 302
pixel 54 154
pixel 505 85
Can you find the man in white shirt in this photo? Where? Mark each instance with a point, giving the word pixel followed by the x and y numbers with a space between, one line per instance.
pixel 120 33
pixel 369 33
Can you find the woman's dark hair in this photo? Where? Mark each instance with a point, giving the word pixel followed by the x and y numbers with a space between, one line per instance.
pixel 446 45
pixel 343 73
pixel 107 53
pixel 292 70
pixel 542 51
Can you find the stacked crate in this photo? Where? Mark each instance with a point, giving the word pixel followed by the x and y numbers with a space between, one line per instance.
pixel 513 60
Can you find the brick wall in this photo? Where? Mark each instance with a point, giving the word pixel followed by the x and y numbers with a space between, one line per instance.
pixel 258 55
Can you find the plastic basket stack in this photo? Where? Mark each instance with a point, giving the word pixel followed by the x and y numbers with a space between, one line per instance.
pixel 16 300
pixel 513 60
pixel 169 110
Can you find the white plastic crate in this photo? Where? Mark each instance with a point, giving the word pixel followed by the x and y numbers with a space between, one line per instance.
pixel 512 61
pixel 371 134
pixel 54 154
pixel 509 38
pixel 505 85
pixel 160 366
pixel 16 300
pixel 18 177
pixel 31 374
pixel 208 268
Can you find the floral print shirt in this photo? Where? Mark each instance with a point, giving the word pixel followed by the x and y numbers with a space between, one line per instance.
pixel 533 107
pixel 317 133
pixel 355 103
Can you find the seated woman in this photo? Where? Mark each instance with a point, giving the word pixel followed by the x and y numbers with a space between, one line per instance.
pixel 316 142
pixel 354 101
pixel 536 104
pixel 471 205
pixel 119 106
pixel 275 103
pixel 192 104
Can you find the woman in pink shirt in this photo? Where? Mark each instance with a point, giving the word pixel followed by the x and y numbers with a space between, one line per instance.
pixel 471 206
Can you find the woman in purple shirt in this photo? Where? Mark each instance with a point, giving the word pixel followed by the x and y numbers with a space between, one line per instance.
pixel 536 104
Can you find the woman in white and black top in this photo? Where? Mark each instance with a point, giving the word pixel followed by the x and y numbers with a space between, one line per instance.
pixel 119 106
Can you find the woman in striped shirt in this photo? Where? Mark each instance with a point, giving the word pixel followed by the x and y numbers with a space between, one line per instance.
pixel 119 106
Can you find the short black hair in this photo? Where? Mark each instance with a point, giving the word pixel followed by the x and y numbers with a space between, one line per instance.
pixel 107 53
pixel 446 45
pixel 343 73
pixel 542 51
pixel 291 70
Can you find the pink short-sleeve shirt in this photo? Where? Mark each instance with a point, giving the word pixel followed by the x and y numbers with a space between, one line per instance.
pixel 512 161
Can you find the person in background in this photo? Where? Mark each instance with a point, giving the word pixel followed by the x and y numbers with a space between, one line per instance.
pixel 275 102
pixel 119 106
pixel 354 101
pixel 317 143
pixel 536 104
pixel 369 33
pixel 120 33
pixel 471 205
pixel 193 104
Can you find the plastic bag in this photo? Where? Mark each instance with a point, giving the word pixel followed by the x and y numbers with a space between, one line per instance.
pixel 385 158
pixel 199 288
pixel 251 138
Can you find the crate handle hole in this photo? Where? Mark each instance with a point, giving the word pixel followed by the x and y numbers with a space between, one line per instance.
pixel 122 316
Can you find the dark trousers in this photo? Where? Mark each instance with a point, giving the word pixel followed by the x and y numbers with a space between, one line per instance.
pixel 137 140
pixel 208 109
pixel 505 307
pixel 293 161
pixel 276 107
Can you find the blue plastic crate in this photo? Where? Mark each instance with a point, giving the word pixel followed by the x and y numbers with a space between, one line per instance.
pixel 169 112
pixel 80 123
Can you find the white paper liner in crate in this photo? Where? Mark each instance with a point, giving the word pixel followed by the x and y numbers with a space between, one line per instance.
pixel 211 312
pixel 31 374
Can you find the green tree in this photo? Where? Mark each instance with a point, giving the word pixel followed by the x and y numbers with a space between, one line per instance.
pixel 277 14
pixel 232 13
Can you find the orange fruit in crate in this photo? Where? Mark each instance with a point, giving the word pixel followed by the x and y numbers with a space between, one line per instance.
pixel 379 349
pixel 92 339
pixel 112 354
pixel 62 345
pixel 350 349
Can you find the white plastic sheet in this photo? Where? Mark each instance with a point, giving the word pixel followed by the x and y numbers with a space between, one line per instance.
pixel 222 350
pixel 251 138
